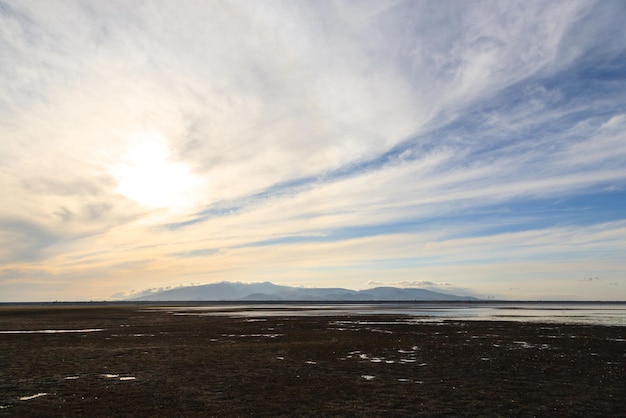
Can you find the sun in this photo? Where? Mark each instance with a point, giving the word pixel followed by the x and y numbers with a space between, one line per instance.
pixel 149 176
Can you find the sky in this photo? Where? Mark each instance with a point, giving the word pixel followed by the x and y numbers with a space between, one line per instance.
pixel 476 148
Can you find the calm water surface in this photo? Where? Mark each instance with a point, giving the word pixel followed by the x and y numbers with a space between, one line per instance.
pixel 555 312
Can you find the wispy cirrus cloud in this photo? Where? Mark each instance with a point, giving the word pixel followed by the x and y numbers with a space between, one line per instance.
pixel 336 143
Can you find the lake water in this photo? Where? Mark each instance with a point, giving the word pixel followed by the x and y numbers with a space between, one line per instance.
pixel 554 312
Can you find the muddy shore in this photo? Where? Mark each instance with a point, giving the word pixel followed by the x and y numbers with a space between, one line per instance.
pixel 130 361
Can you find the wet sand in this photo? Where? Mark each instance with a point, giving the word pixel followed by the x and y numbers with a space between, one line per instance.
pixel 127 361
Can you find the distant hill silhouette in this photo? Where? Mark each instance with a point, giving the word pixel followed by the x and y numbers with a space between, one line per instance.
pixel 266 291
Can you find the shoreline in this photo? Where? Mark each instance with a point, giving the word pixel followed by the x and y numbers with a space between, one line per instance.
pixel 122 303
pixel 583 313
pixel 155 362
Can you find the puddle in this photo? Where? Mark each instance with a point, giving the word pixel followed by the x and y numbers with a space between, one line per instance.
pixel 37 395
pixel 53 331
pixel 117 376
pixel 404 380
pixel 524 344
pixel 410 357
pixel 253 335
pixel 365 322
pixel 382 331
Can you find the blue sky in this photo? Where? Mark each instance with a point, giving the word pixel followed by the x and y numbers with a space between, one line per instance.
pixel 475 148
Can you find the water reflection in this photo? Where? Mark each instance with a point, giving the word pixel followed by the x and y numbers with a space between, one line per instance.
pixel 36 395
pixel 563 312
pixel 52 331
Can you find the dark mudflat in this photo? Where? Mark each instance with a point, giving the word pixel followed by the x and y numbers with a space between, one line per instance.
pixel 303 366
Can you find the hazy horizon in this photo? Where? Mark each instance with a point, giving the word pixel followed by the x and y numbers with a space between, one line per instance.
pixel 472 148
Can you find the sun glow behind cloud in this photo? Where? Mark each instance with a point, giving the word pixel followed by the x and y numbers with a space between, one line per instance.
pixel 477 144
pixel 148 175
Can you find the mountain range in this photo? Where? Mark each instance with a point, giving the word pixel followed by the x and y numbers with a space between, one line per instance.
pixel 266 291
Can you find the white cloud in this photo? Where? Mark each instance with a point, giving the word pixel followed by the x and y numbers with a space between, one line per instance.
pixel 248 95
